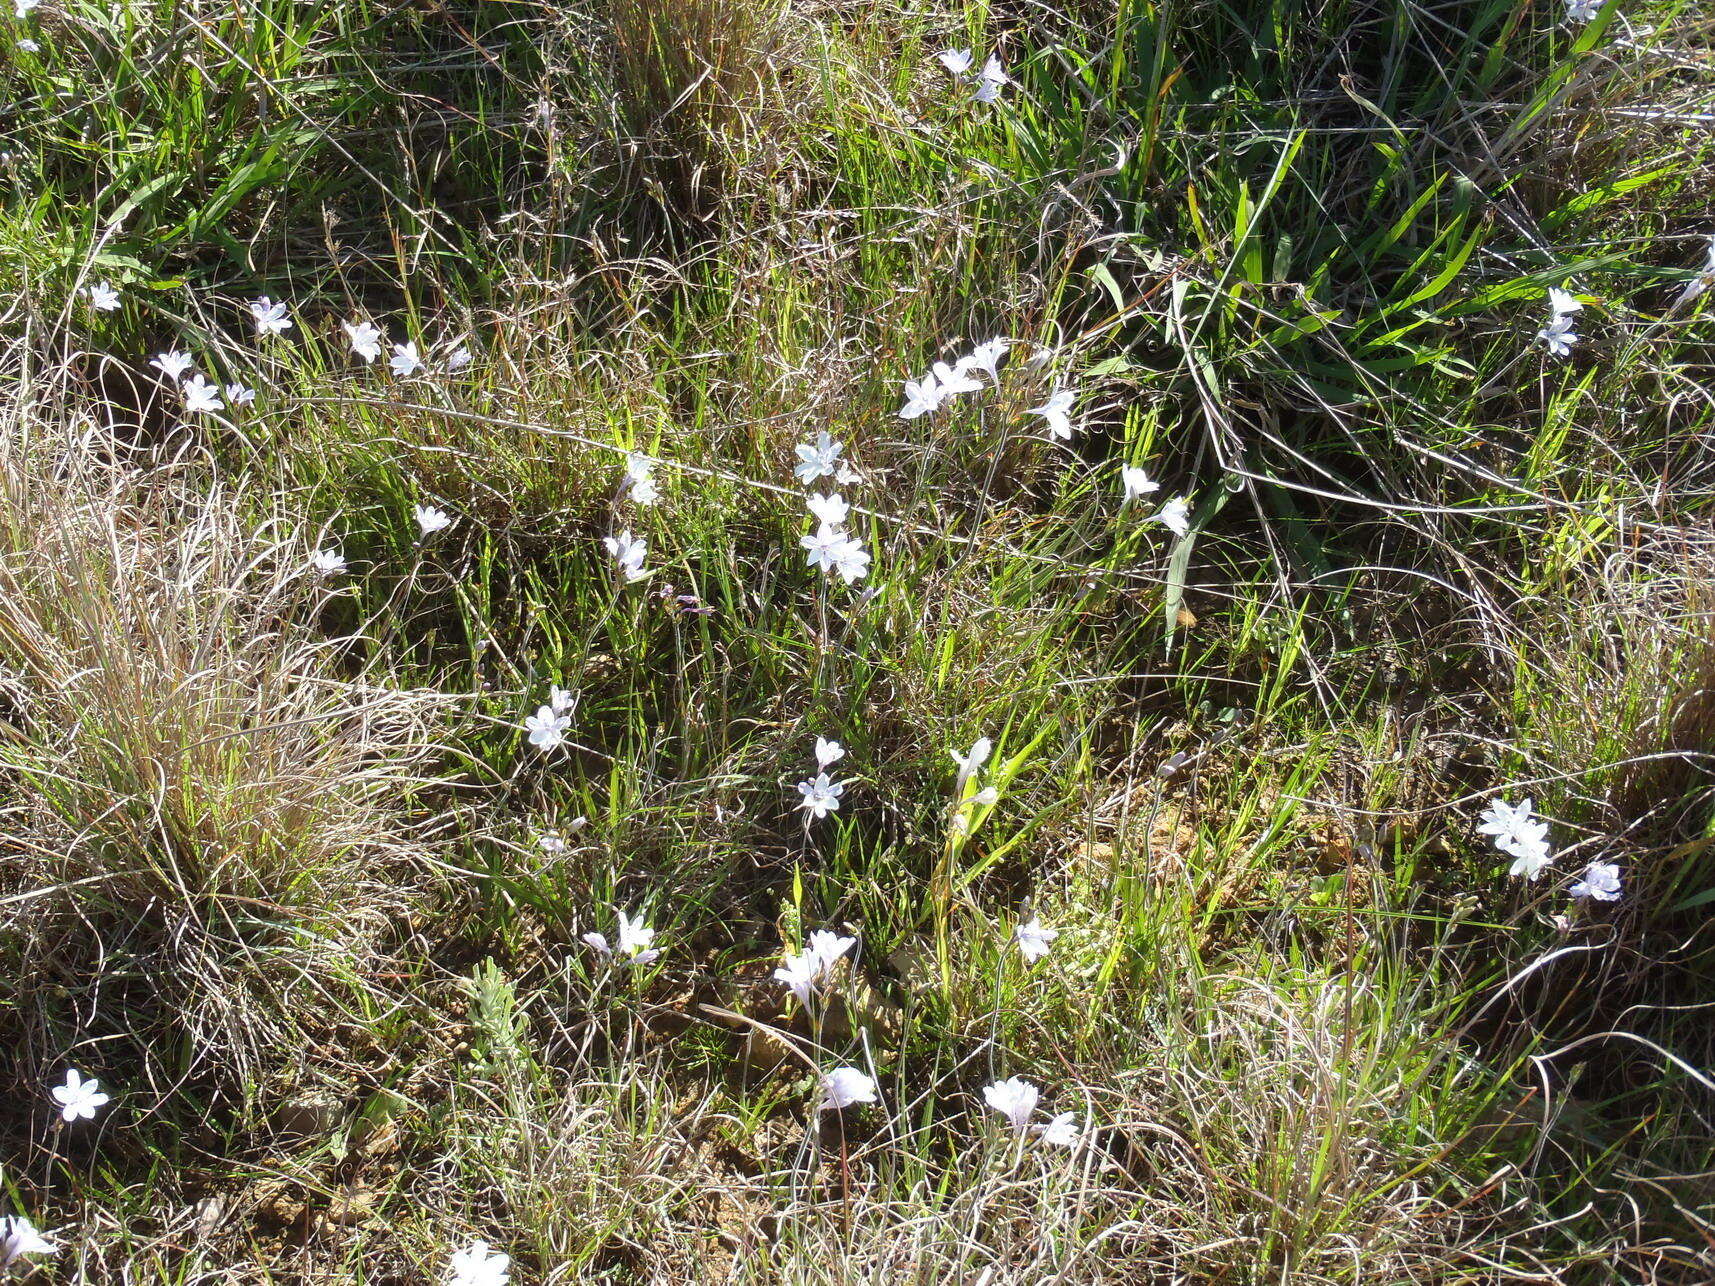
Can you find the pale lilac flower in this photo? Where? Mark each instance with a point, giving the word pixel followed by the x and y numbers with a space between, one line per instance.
pixel 1561 303
pixel 1558 337
pixel 547 727
pixel 406 360
pixel 1136 483
pixel 1057 412
pixel 29 46
pixel 1582 10
pixel 560 699
pixel 79 1097
pixel 554 844
pixel 820 459
pixel 24 7
pixel 1601 881
pixel 799 972
pixel 430 519
pixel 629 552
pixel 1503 820
pixel 479 1266
pixel 270 317
pixel 828 510
pixel 329 562
pixel 172 363
pixel 1015 1099
pixel 103 298
pixel 1175 515
pixel 956 61
pixel 18 1236
pixel 1034 941
pixel 832 551
pixel 843 1087
pixel 458 359
pixel 821 795
pixel 365 339
pixel 828 753
pixel 990 81
pixel 239 395
pixel 201 397
pixel 1061 1132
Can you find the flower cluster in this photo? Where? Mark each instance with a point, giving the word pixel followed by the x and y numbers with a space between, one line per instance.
pixel 942 381
pixel 804 970
pixel 633 947
pixel 1519 836
pixel 820 795
pixel 986 83
pixel 1558 337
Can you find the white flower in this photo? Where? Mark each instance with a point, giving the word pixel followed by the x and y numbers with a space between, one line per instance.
pixel 553 843
pixel 832 550
pixel 1531 855
pixel 238 395
pixel 828 752
pixel 1175 515
pixel 640 479
pixel 954 380
pixel 1502 820
pixel 1135 482
pixel 560 699
pixel 547 727
pixel 821 795
pixel 103 297
pixel 629 552
pixel 1582 10
pixel 406 360
pixel 956 61
pixel 29 46
pixel 1061 1132
pixel 18 1236
pixel 970 761
pixel 1033 940
pixel 1601 881
pixel 828 510
pixel 828 946
pixel 799 972
pixel 990 81
pixel 987 797
pixel 985 357
pixel 79 1097
pixel 430 519
pixel 1015 1099
pixel 329 562
pixel 479 1266
pixel 365 340
pixel 634 939
pixel 820 459
pixel 1562 304
pixel 921 397
pixel 1558 337
pixel 457 359
pixel 24 7
pixel 201 397
pixel 1057 412
pixel 843 1087
pixel 270 317
pixel 172 363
